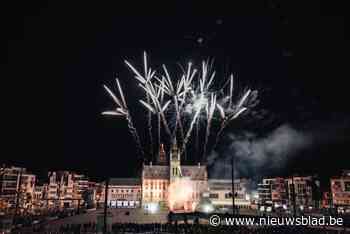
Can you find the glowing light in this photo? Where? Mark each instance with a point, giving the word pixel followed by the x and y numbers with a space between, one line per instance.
pixel 181 103
pixel 255 195
pixel 181 194
pixel 152 208
pixel 208 208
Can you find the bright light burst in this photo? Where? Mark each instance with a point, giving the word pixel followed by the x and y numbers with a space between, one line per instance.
pixel 183 101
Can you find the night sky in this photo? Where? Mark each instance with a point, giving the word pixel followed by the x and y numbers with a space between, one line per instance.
pixel 59 56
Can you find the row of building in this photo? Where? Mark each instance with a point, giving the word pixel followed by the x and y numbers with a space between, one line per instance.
pixel 20 189
pixel 171 185
pixel 304 192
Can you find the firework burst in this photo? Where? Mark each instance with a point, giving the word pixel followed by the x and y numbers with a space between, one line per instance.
pixel 183 101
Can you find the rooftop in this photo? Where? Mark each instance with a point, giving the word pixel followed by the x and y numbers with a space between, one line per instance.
pixel 124 181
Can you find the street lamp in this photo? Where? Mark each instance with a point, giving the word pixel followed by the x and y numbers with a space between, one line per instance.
pixel 233 185
pixel 293 198
pixel 105 207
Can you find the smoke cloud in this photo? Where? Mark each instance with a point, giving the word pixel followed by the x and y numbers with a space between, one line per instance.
pixel 255 155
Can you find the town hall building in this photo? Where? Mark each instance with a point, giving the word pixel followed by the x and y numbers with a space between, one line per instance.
pixel 171 184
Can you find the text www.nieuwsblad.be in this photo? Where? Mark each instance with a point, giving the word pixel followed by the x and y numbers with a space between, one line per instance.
pixel 216 220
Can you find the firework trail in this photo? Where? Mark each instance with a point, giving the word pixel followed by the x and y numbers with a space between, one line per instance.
pixel 155 106
pixel 188 135
pixel 122 110
pixel 174 93
pixel 146 79
pixel 183 100
pixel 231 91
pixel 149 123
pixel 160 95
pixel 210 108
pixel 197 140
pixel 186 81
pixel 232 113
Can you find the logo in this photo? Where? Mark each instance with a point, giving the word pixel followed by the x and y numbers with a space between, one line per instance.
pixel 214 220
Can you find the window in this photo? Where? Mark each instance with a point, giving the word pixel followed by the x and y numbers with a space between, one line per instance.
pixel 347 186
pixel 214 195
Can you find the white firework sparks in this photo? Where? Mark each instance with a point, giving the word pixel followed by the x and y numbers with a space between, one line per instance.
pixel 183 100
pixel 122 110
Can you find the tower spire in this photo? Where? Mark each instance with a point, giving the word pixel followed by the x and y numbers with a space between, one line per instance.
pixel 175 164
pixel 161 155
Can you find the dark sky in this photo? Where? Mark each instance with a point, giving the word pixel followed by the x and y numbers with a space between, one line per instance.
pixel 59 55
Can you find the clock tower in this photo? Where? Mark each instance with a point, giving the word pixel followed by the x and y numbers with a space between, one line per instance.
pixel 175 163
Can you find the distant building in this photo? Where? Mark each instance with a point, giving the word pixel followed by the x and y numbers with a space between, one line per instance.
pixel 326 200
pixel 278 193
pixel 16 184
pixel 303 191
pixel 220 193
pixel 264 194
pixel 272 193
pixel 123 193
pixel 99 197
pixel 60 190
pixel 39 197
pixel 340 192
pixel 80 187
pixel 67 189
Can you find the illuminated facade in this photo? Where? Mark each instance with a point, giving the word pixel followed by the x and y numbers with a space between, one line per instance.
pixel 220 193
pixel 17 184
pixel 303 191
pixel 273 192
pixel 123 193
pixel 80 185
pixel 60 190
pixel 340 192
pixel 280 193
pixel 39 196
pixel 65 189
pixel 172 185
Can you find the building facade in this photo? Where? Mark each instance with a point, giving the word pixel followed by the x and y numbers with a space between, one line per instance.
pixel 264 194
pixel 273 193
pixel 39 197
pixel 172 185
pixel 340 192
pixel 220 193
pixel 16 187
pixel 65 189
pixel 281 193
pixel 302 194
pixel 123 193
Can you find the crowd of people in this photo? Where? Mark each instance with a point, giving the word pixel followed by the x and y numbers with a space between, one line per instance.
pixel 177 223
pixel 182 228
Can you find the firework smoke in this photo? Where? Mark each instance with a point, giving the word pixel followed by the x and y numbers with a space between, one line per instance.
pixel 255 155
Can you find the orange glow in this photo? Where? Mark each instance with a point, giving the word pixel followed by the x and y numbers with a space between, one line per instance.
pixel 181 193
